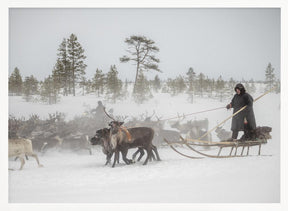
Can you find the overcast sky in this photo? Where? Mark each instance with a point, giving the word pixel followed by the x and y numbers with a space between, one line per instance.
pixel 237 43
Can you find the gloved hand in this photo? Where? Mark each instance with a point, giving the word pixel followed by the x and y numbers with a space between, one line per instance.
pixel 228 106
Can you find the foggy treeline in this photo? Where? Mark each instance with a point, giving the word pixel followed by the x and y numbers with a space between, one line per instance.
pixel 68 77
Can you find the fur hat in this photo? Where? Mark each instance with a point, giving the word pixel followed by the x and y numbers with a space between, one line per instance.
pixel 241 88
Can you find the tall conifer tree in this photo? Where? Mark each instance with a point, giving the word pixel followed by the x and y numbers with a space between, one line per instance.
pixel 76 59
pixel 270 77
pixel 15 82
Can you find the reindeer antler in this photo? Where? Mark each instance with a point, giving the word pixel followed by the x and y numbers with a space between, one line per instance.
pixel 108 114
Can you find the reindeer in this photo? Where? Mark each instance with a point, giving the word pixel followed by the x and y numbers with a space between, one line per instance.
pixel 223 134
pixel 259 133
pixel 123 139
pixel 102 137
pixel 21 147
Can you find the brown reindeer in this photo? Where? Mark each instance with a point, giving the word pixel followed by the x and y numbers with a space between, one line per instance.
pixel 102 137
pixel 141 137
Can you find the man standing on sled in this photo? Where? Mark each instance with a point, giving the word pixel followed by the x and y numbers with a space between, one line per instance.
pixel 244 120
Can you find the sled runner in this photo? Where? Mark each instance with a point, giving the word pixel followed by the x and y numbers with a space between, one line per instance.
pixel 233 145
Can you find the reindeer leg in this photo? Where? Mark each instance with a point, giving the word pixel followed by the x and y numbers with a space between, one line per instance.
pixel 154 148
pixel 90 150
pixel 21 157
pixel 25 157
pixel 108 158
pixel 36 157
pixel 152 157
pixel 116 157
pixel 135 154
pixel 124 157
pixel 141 154
pixel 149 150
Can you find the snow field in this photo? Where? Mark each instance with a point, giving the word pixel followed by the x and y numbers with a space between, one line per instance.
pixel 82 178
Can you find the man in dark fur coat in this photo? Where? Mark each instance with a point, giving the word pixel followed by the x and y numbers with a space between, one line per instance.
pixel 245 119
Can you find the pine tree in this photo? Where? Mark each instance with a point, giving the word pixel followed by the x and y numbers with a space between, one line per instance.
pixel 213 84
pixel 201 80
pixel 30 87
pixel 176 85
pixel 83 83
pixel 156 83
pixel 171 87
pixel 27 89
pixel 250 86
pixel 191 75
pixel 269 77
pixel 231 84
pixel 142 89
pixel 62 70
pixel 88 86
pixel 220 85
pixel 125 88
pixel 142 52
pixel 76 59
pixel 277 86
pixel 99 82
pixel 114 84
pixel 15 82
pixel 59 77
pixel 209 86
pixel 48 91
pixel 180 84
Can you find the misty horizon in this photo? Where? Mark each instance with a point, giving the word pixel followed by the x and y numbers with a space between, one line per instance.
pixel 232 43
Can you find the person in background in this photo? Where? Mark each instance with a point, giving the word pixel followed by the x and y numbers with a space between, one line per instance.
pixel 99 112
pixel 99 109
pixel 245 119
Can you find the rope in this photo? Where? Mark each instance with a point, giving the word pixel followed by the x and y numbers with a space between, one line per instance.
pixel 198 112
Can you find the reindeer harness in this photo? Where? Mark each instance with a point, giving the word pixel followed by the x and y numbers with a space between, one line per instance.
pixel 125 130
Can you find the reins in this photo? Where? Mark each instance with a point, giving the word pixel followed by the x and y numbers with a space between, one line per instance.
pixel 198 112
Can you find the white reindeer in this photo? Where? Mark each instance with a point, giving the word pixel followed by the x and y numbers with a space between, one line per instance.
pixel 21 147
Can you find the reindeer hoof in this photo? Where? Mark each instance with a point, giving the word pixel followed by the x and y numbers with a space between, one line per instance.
pixel 130 161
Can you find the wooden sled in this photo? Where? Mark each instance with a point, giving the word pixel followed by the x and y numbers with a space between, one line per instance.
pixel 234 145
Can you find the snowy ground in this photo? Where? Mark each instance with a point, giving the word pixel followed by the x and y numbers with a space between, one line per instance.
pixel 79 177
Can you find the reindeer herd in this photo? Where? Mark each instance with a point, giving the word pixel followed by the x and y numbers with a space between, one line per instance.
pixel 145 136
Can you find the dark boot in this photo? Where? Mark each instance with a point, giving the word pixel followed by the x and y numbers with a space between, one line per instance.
pixel 235 134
